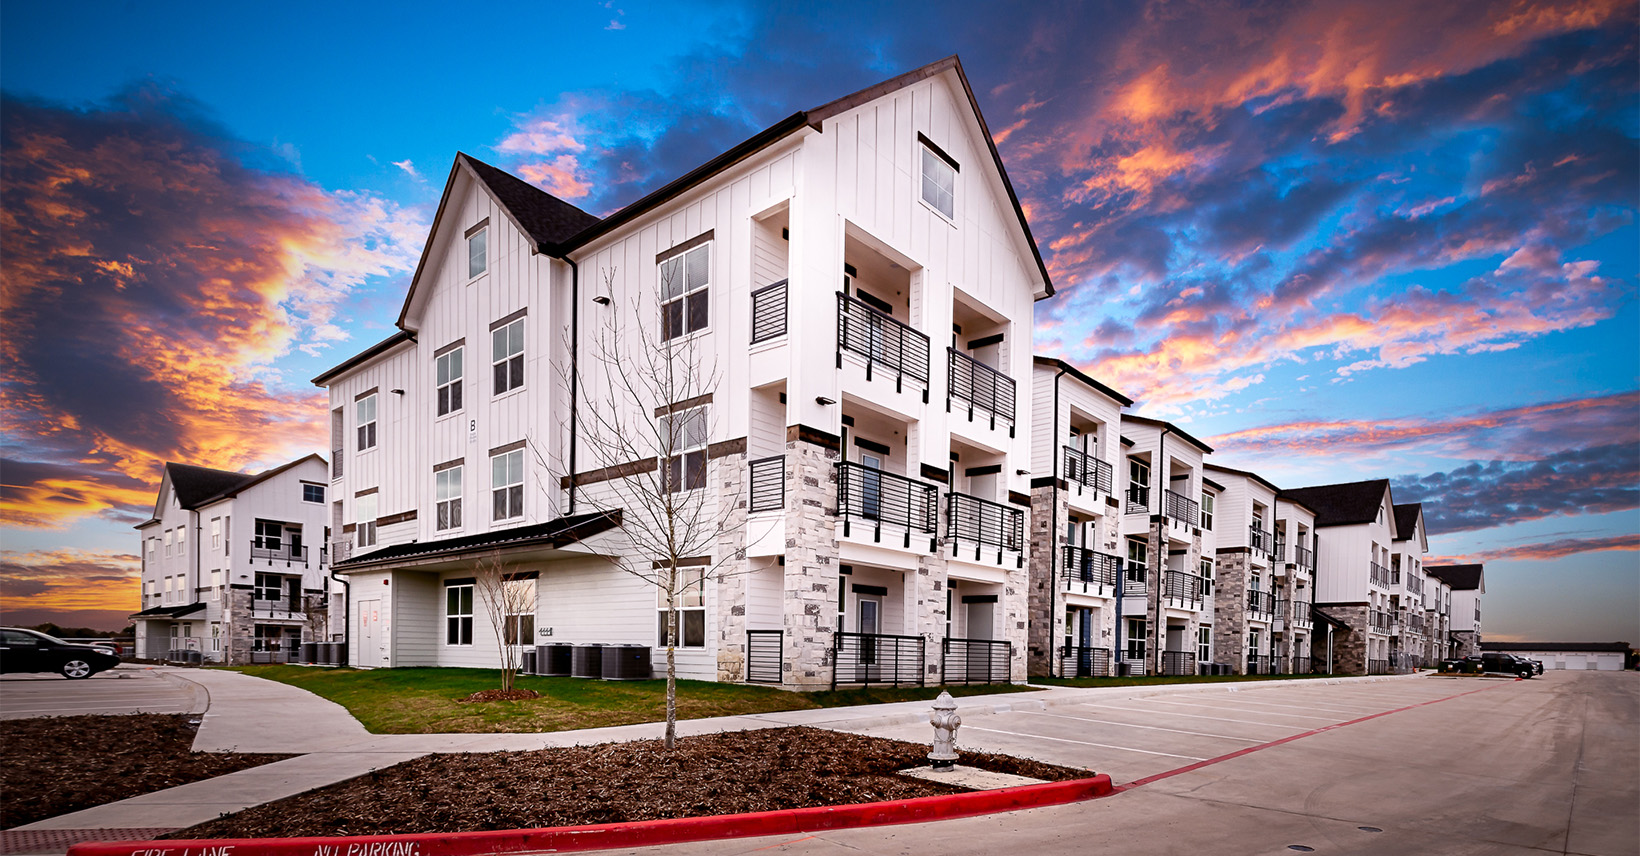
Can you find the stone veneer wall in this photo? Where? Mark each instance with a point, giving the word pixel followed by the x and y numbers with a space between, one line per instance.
pixel 1230 571
pixel 239 625
pixel 1468 643
pixel 1349 647
pixel 809 600
pixel 1045 601
pixel 1155 631
pixel 729 587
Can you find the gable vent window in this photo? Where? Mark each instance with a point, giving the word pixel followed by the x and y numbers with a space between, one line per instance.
pixel 478 252
pixel 939 182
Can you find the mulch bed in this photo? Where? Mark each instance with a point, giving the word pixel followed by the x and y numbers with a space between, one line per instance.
pixel 711 774
pixel 57 764
pixel 500 695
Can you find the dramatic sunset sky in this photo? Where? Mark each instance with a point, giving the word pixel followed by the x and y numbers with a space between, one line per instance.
pixel 1337 240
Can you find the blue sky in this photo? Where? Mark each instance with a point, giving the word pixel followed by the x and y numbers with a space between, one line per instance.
pixel 1337 240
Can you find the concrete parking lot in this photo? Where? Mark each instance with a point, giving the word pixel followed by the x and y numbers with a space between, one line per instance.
pixel 1420 765
pixel 129 688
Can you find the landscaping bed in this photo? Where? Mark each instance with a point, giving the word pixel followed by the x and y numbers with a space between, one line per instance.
pixel 430 700
pixel 728 773
pixel 57 764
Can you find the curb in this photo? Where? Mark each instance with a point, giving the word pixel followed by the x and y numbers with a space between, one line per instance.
pixel 567 839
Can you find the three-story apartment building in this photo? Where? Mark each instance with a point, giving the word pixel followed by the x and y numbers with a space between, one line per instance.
pixel 1466 583
pixel 1409 639
pixel 858 279
pixel 1356 523
pixel 234 564
pixel 1295 585
pixel 1251 555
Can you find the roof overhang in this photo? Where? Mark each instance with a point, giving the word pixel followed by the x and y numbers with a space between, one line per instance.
pixel 540 542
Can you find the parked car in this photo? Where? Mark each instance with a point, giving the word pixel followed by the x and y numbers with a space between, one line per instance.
pixel 23 650
pixel 1492 661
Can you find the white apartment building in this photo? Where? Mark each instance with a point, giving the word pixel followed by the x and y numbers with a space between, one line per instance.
pixel 234 564
pixel 1077 547
pixel 1353 590
pixel 1467 583
pixel 820 269
pixel 1409 627
pixel 1294 568
pixel 1165 611
pixel 1250 557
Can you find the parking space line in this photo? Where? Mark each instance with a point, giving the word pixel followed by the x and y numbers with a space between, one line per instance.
pixel 1146 727
pixel 1260 712
pixel 1081 743
pixel 1306 706
pixel 1194 716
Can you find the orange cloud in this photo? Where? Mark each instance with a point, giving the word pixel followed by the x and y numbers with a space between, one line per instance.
pixel 1550 550
pixel 69 580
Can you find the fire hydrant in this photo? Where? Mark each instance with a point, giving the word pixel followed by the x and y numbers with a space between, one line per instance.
pixel 945 721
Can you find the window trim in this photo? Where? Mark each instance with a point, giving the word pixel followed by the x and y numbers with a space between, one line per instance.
pixel 682 454
pixel 929 147
pixel 361 424
pixel 683 299
pixel 688 578
pixel 480 230
pixel 455 587
pixel 495 455
pixel 506 324
pixel 455 502
pixel 455 352
pixel 366 523
pixel 319 487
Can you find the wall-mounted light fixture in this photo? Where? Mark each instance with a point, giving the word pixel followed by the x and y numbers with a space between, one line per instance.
pixel 823 401
pixel 601 300
pixel 1022 472
pixel 396 391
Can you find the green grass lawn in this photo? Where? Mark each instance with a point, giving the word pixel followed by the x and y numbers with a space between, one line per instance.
pixel 1144 680
pixel 427 701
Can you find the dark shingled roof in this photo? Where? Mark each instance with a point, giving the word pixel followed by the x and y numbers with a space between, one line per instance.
pixel 554 533
pixel 550 221
pixel 1341 504
pixel 1459 577
pixel 1406 519
pixel 193 485
pixel 168 611
pixel 1570 647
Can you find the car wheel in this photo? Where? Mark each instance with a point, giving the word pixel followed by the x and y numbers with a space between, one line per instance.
pixel 76 669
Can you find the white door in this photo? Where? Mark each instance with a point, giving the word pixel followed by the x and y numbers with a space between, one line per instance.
pixel 371 639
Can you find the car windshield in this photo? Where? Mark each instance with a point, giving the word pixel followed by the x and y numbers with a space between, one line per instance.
pixel 48 637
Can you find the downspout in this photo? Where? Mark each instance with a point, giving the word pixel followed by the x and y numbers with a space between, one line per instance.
pixel 1053 530
pixel 1161 568
pixel 347 614
pixel 574 368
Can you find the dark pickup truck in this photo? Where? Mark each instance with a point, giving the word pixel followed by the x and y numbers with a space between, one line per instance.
pixel 1491 663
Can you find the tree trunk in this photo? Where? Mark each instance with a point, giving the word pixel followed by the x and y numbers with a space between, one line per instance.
pixel 672 658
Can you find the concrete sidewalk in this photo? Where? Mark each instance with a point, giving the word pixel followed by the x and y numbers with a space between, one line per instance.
pixel 247 714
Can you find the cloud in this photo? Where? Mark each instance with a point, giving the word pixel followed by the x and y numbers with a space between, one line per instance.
pixel 409 168
pixel 154 274
pixel 1550 550
pixel 1595 480
pixel 69 581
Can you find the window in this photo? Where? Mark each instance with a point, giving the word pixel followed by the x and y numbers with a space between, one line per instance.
pixel 269 536
pixel 691 609
pixel 684 286
pixel 1207 577
pixel 1135 642
pixel 149 588
pixel 338 441
pixel 168 537
pixel 507 485
pixel 939 183
pixel 458 614
pixel 478 251
pixel 364 509
pixel 365 410
pixel 216 533
pixel 153 548
pixel 313 493
pixel 519 627
pixel 448 367
pixel 216 578
pixel 1207 511
pixel 227 535
pixel 1138 560
pixel 447 496
pixel 182 538
pixel 269 587
pixel 1204 644
pixel 216 636
pixel 507 356
pixel 685 459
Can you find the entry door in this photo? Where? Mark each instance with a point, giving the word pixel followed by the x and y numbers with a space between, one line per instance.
pixel 370 636
pixel 1084 638
pixel 869 624
pixel 871 486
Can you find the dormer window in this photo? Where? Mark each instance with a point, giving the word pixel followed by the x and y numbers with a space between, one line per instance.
pixel 478 248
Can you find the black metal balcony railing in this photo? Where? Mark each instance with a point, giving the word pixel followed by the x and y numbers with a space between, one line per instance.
pixel 769 312
pixel 764 653
pixel 1280 553
pixel 1087 571
pixel 1261 603
pixel 975 661
pixel 1304 557
pixel 1178 662
pixel 278 551
pixel 1379 621
pixel 984 523
pixel 767 480
pixel 1134 578
pixel 1080 661
pixel 1377 667
pixel 871 495
pixel 1259 539
pixel 1259 664
pixel 882 341
pixel 1087 471
pixel 1138 499
pixel 1181 508
pixel 976 387
pixel 877 658
pixel 1301 666
pixel 1415 584
pixel 1182 590
pixel 1378 574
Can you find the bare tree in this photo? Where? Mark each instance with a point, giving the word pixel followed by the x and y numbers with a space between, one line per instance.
pixel 509 599
pixel 642 412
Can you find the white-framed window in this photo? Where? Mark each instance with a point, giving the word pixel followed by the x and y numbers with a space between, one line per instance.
pixel 458 614
pixel 478 251
pixel 939 182
pixel 150 587
pixel 1207 576
pixel 270 536
pixel 153 548
pixel 685 465
pixel 313 493
pixel 216 579
pixel 227 535
pixel 1204 644
pixel 448 368
pixel 447 498
pixel 685 287
pixel 365 410
pixel 364 510
pixel 1138 560
pixel 507 485
pixel 269 587
pixel 216 636
pixel 691 609
pixel 216 533
pixel 182 540
pixel 168 538
pixel 1134 644
pixel 1207 511
pixel 519 626
pixel 507 356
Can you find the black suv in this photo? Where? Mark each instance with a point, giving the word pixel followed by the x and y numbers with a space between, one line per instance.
pixel 24 650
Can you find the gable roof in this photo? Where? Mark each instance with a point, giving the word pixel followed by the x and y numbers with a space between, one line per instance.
pixel 1459 577
pixel 548 220
pixel 1243 473
pixel 1172 429
pixel 1406 519
pixel 1341 504
pixel 1077 373
pixel 196 487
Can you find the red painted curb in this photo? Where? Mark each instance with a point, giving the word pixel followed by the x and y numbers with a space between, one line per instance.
pixel 569 839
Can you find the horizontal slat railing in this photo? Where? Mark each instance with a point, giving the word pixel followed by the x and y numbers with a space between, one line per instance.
pixel 769 312
pixel 877 498
pixel 767 480
pixel 1182 590
pixel 877 658
pixel 1138 499
pixel 1259 539
pixel 1181 508
pixel 1086 471
pixel 1080 661
pixel 279 552
pixel 979 521
pixel 978 389
pixel 1087 571
pixel 975 661
pixel 765 650
pixel 1261 603
pixel 1178 662
pixel 882 341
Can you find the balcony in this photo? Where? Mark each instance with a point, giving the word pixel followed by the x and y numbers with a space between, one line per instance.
pixel 877 498
pixel 1259 539
pixel 1280 553
pixel 1378 574
pixel 877 658
pixel 984 523
pixel 767 480
pixel 974 386
pixel 769 312
pixel 1304 557
pixel 1086 471
pixel 1080 661
pixel 1260 664
pixel 1380 621
pixel 341 549
pixel 273 551
pixel 1182 591
pixel 1178 662
pixel 975 661
pixel 1179 507
pixel 1261 605
pixel 1138 499
pixel 1089 572
pixel 1415 584
pixel 882 342
pixel 1134 579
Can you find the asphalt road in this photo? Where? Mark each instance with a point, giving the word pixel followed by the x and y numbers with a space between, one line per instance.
pixel 125 689
pixel 1425 765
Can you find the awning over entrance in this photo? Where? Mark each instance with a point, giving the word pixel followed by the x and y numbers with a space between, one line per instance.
pixel 169 611
pixel 551 535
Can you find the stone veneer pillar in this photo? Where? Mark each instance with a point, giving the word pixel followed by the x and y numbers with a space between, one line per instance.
pixel 1046 600
pixel 1155 633
pixel 809 599
pixel 1349 647
pixel 1230 571
pixel 729 588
